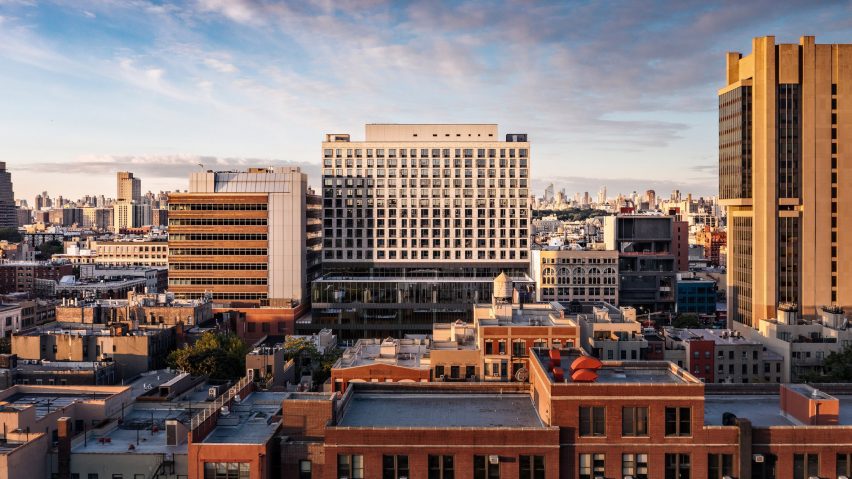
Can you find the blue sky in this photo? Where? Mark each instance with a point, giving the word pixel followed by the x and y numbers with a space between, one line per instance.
pixel 616 93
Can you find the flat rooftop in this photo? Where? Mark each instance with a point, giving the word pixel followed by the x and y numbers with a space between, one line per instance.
pixel 761 410
pixel 47 402
pixel 407 353
pixel 719 336
pixel 135 429
pixel 251 421
pixel 440 410
pixel 620 372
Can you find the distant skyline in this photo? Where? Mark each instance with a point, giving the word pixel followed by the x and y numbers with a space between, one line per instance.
pixel 621 94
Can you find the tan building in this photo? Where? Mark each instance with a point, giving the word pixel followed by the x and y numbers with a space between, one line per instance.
pixel 118 253
pixel 575 275
pixel 241 237
pixel 145 309
pixel 785 175
pixel 128 188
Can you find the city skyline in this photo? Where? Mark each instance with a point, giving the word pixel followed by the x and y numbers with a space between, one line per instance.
pixel 159 88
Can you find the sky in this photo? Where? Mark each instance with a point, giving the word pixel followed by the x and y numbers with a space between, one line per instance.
pixel 621 94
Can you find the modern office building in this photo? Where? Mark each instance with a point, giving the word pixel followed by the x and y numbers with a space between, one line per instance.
pixel 8 213
pixel 418 220
pixel 785 175
pixel 695 295
pixel 647 260
pixel 240 236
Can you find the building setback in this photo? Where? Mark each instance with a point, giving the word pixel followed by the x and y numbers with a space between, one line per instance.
pixel 785 175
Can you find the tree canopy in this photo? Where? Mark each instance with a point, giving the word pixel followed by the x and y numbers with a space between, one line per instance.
pixel 571 214
pixel 837 368
pixel 216 355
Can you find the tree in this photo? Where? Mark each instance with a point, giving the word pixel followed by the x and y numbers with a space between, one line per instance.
pixel 216 355
pixel 686 320
pixel 11 235
pixel 50 248
pixel 837 368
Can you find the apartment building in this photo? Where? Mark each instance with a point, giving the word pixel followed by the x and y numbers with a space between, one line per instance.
pixel 582 275
pixel 786 179
pixel 724 356
pixel 21 276
pixel 241 238
pixel 153 252
pixel 607 333
pixel 417 221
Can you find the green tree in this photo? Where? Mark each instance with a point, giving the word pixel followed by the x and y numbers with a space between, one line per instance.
pixel 11 235
pixel 686 320
pixel 50 248
pixel 837 368
pixel 216 355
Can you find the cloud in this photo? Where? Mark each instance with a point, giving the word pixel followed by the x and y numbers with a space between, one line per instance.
pixel 220 66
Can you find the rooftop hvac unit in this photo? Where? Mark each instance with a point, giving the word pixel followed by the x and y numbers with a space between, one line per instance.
pixel 494 459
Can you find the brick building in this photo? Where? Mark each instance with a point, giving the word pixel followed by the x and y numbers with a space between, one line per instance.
pixel 20 276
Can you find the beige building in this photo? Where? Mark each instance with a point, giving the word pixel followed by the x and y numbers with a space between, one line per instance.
pixel 426 193
pixel 785 175
pixel 241 237
pixel 130 214
pixel 118 253
pixel 575 275
pixel 128 188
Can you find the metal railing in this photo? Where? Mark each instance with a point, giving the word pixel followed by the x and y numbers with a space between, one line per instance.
pixel 218 403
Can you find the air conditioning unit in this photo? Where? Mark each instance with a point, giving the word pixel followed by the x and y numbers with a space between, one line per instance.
pixel 494 459
pixel 757 458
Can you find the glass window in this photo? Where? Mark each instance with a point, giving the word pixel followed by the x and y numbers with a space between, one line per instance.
pixel 805 466
pixel 678 421
pixel 592 421
pixel 720 465
pixel 677 466
pixel 350 466
pixel 394 467
pixel 634 421
pixel 226 470
pixel 441 467
pixel 486 467
pixel 592 465
pixel 531 467
pixel 635 465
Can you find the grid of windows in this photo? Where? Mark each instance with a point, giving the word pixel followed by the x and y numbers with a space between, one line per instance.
pixel 426 204
pixel 789 150
pixel 742 268
pixel 788 259
pixel 735 165
pixel 217 207
pixel 226 470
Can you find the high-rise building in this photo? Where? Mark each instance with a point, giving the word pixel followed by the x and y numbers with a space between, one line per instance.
pixel 128 188
pixel 8 214
pixel 785 175
pixel 240 236
pixel 418 220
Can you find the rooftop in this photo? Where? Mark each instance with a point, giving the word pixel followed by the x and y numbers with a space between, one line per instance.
pixel 619 372
pixel 80 329
pixel 134 434
pixel 532 314
pixel 250 421
pixel 761 410
pixel 47 401
pixel 439 410
pixel 408 353
pixel 719 336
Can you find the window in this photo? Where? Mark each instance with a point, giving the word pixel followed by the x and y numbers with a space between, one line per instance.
pixel 805 466
pixel 634 421
pixel 678 421
pixel 441 467
pixel 226 470
pixel 592 465
pixel 677 466
pixel 719 466
pixel 635 465
pixel 531 467
pixel 486 468
pixel 844 465
pixel 305 469
pixel 592 421
pixel 394 467
pixel 350 466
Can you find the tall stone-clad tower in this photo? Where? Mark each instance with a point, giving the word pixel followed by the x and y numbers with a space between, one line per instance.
pixel 785 175
pixel 8 215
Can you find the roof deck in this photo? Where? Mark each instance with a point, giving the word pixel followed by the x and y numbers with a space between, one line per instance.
pixel 762 410
pixel 461 410
pixel 250 421
pixel 617 372
pixel 134 434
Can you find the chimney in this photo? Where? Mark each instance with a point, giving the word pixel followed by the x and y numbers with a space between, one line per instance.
pixel 63 429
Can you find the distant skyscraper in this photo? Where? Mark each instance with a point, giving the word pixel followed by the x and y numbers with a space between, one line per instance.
pixel 128 188
pixel 602 195
pixel 548 193
pixel 785 175
pixel 8 213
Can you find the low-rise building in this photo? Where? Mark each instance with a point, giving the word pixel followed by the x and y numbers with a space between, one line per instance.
pixel 21 276
pixel 583 275
pixel 143 309
pixel 134 351
pixel 10 319
pixel 723 356
pixel 607 333
pixel 387 360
